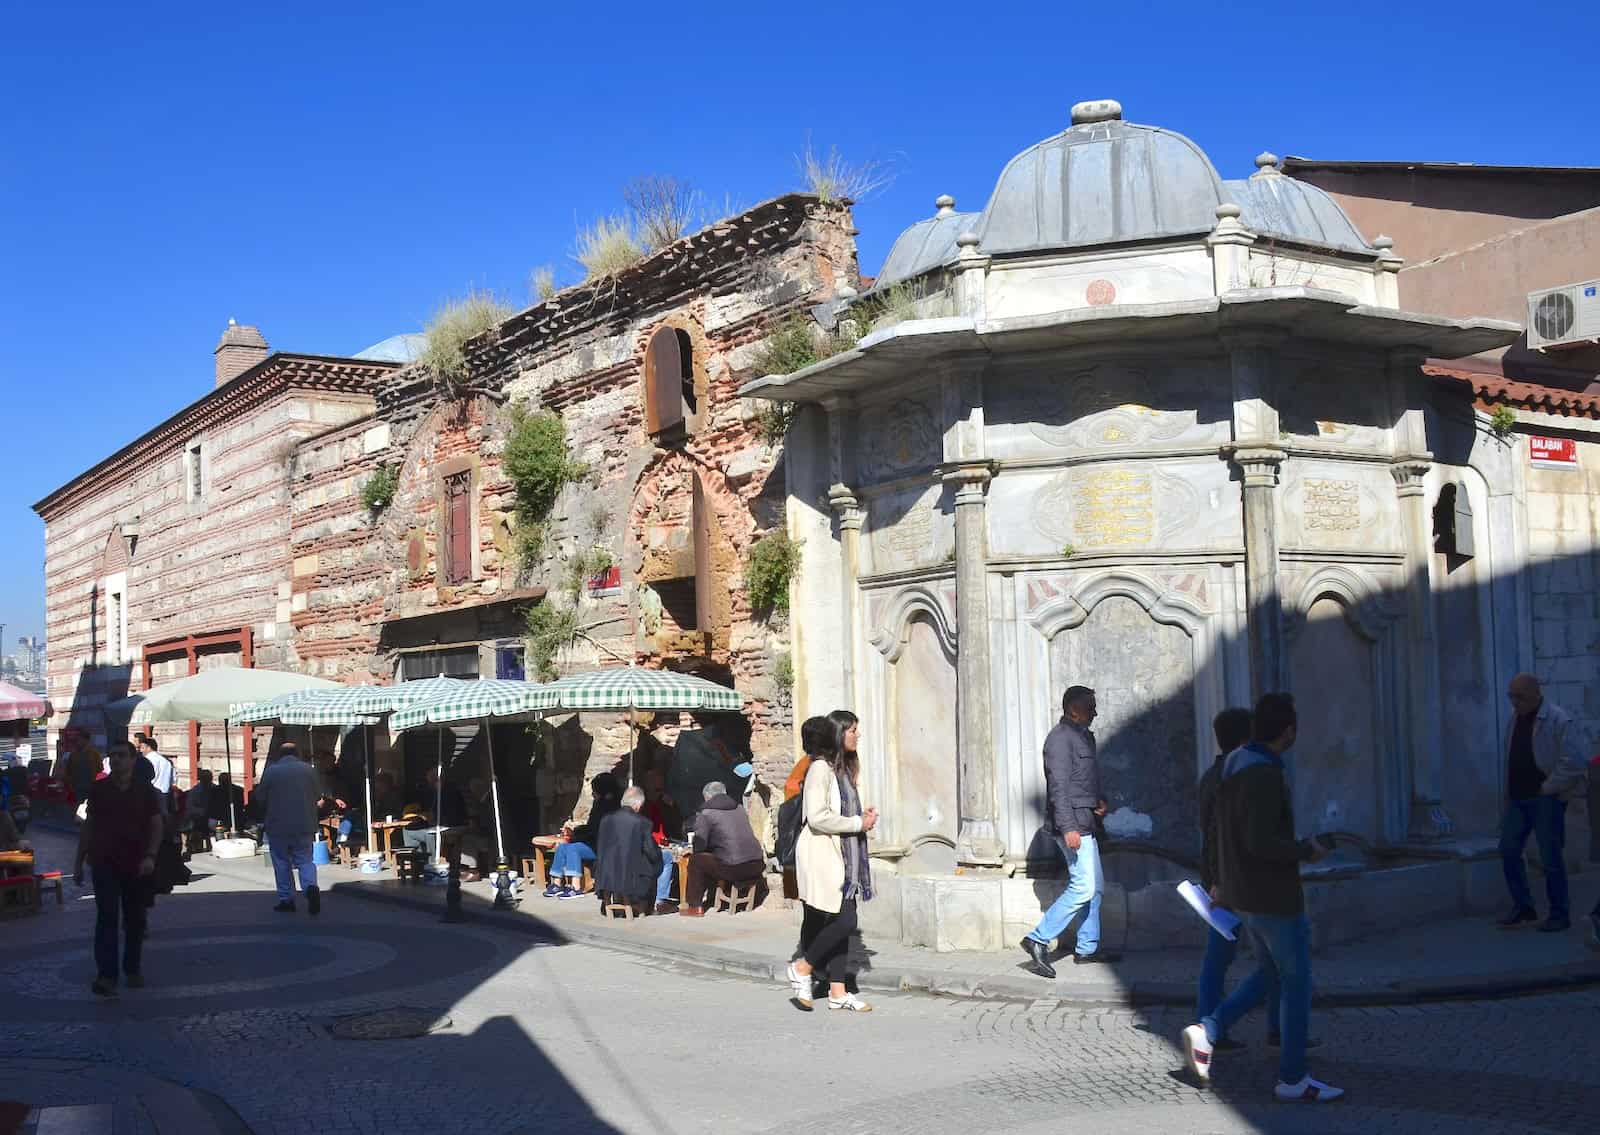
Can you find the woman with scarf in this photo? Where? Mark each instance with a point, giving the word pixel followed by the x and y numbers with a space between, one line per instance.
pixel 831 863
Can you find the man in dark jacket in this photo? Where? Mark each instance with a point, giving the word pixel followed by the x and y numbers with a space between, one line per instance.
pixel 120 839
pixel 287 797
pixel 1073 805
pixel 1258 870
pixel 725 849
pixel 1232 729
pixel 627 858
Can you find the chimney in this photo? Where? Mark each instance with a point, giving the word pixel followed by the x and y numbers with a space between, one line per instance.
pixel 239 349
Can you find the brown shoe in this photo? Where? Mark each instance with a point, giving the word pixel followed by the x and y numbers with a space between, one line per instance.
pixel 692 911
pixel 666 908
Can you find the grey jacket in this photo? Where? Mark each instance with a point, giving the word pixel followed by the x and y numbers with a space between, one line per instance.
pixel 1071 779
pixel 723 829
pixel 287 797
pixel 1556 750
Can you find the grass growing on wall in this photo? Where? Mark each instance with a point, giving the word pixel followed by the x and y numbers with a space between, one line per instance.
pixel 379 490
pixel 539 465
pixel 771 564
pixel 552 630
pixel 452 326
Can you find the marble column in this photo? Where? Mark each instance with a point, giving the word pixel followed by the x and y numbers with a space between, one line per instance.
pixel 1428 819
pixel 978 837
pixel 1259 467
pixel 847 510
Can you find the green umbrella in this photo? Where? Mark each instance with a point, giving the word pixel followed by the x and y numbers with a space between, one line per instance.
pixel 631 687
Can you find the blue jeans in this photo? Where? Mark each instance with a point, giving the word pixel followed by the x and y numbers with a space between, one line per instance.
pixel 1214 974
pixel 568 860
pixel 1545 818
pixel 1085 883
pixel 1283 948
pixel 669 868
pixel 291 854
pixel 118 896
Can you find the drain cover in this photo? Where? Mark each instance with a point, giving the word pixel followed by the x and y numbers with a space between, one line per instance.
pixel 389 1024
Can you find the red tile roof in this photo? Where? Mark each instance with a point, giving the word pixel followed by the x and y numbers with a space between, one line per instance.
pixel 1490 390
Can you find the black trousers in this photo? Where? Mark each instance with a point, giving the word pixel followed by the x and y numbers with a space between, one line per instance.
pixel 118 898
pixel 706 871
pixel 829 951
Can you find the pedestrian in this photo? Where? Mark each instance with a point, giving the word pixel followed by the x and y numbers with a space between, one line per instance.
pixel 1073 807
pixel 119 839
pixel 1232 730
pixel 814 735
pixel 161 768
pixel 83 762
pixel 832 866
pixel 1544 770
pixel 287 797
pixel 1258 878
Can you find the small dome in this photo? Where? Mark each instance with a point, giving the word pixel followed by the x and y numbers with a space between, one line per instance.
pixel 405 348
pixel 1101 181
pixel 926 245
pixel 1276 205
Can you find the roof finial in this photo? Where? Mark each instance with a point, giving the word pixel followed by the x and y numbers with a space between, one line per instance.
pixel 1267 164
pixel 945 204
pixel 232 322
pixel 1096 110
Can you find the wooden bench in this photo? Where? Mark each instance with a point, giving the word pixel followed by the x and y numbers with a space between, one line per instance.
pixel 48 881
pixel 734 897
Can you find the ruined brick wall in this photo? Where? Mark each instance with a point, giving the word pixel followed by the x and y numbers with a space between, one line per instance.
pixel 198 566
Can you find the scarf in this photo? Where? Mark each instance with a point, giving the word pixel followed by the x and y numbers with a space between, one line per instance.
pixel 857 867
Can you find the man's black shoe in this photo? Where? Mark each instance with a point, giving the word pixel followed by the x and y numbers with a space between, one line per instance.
pixel 284 908
pixel 1517 917
pixel 1099 957
pixel 1276 1041
pixel 1039 954
pixel 314 900
pixel 1553 925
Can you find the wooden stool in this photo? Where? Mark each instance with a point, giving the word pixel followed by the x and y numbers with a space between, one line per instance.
pixel 533 868
pixel 408 864
pixel 48 881
pixel 19 894
pixel 734 897
pixel 613 905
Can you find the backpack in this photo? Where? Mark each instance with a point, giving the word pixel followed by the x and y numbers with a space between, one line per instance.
pixel 791 818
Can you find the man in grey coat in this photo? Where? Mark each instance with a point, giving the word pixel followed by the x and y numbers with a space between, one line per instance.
pixel 287 799
pixel 1073 804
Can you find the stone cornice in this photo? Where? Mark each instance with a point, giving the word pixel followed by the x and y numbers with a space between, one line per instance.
pixel 268 379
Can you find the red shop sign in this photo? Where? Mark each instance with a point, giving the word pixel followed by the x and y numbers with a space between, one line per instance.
pixel 1553 452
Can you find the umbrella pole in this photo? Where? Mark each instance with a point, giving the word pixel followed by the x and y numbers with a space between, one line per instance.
pixel 438 805
pixel 494 793
pixel 366 761
pixel 227 763
pixel 633 753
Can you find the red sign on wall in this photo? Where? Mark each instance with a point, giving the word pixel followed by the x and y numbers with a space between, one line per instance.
pixel 608 580
pixel 1553 452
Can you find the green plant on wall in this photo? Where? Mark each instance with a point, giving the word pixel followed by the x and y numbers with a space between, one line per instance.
pixel 452 326
pixel 539 465
pixel 553 627
pixel 1502 420
pixel 770 565
pixel 379 490
pixel 783 675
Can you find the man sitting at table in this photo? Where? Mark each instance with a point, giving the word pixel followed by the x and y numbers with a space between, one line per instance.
pixel 725 849
pixel 664 828
pixel 569 858
pixel 10 838
pixel 627 858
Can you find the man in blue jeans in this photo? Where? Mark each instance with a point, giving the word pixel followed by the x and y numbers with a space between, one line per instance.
pixel 1544 769
pixel 1258 867
pixel 1073 804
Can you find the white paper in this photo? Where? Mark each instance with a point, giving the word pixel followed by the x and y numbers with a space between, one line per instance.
pixel 1220 919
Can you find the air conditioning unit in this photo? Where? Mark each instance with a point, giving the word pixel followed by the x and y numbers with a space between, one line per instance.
pixel 1566 316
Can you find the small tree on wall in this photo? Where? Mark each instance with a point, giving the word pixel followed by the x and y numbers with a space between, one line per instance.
pixel 770 565
pixel 539 465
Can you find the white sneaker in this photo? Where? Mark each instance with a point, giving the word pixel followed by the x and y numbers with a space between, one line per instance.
pixel 851 1002
pixel 1197 1052
pixel 1307 1090
pixel 800 985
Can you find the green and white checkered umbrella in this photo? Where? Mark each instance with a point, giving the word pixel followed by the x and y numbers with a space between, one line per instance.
pixel 359 705
pixel 474 701
pixel 271 711
pixel 630 687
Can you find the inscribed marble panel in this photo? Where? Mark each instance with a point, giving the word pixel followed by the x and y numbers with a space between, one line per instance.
pixel 925 736
pixel 1333 766
pixel 1333 504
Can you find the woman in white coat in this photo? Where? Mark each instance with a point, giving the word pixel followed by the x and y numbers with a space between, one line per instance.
pixel 831 865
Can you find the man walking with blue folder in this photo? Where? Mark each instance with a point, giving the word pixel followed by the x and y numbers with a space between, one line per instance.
pixel 1258 870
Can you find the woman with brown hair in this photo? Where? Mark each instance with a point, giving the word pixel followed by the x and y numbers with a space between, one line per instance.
pixel 831 863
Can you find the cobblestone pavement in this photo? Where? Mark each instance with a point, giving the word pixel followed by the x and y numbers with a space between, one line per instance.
pixel 566 1038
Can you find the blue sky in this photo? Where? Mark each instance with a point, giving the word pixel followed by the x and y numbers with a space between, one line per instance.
pixel 331 172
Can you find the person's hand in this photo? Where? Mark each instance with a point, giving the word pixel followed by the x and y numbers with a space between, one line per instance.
pixel 77 875
pixel 147 866
pixel 869 819
pixel 1100 808
pixel 1073 841
pixel 1215 892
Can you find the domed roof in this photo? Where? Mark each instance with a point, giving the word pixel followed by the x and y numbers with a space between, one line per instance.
pixel 405 348
pixel 1101 181
pixel 1276 205
pixel 927 244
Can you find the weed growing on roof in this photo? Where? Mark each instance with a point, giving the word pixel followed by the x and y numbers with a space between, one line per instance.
pixel 608 246
pixel 833 178
pixel 453 325
pixel 662 209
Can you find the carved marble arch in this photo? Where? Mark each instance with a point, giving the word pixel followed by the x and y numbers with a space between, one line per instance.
pixel 1366 608
pixel 894 630
pixel 1070 609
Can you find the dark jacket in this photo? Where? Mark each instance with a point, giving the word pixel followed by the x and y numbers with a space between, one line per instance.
pixel 1258 857
pixel 287 799
pixel 1208 814
pixel 589 831
pixel 1071 779
pixel 723 829
pixel 627 860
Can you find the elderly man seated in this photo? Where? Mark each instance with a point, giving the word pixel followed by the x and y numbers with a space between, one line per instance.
pixel 627 858
pixel 725 849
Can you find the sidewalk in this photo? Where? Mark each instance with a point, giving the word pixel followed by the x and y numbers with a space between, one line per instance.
pixel 1460 959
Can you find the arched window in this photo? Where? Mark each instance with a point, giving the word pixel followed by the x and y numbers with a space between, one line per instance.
pixel 669 394
pixel 1452 522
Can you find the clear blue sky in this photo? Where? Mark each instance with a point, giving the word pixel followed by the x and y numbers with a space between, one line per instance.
pixel 332 171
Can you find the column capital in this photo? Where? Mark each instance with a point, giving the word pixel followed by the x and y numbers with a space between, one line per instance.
pixel 846 506
pixel 1259 463
pixel 970 472
pixel 1409 472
